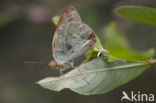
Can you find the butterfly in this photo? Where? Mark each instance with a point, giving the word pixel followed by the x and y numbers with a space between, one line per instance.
pixel 72 39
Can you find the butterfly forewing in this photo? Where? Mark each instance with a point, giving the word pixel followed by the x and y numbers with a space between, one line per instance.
pixel 70 14
pixel 72 38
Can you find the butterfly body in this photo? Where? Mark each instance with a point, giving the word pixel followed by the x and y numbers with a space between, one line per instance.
pixel 72 39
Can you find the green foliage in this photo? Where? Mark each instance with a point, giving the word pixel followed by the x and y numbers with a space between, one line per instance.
pixel 97 49
pixel 55 19
pixel 118 46
pixel 138 14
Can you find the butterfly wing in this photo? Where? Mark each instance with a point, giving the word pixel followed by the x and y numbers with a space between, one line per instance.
pixel 72 40
pixel 68 15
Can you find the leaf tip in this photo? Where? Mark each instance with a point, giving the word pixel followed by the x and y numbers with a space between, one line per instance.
pixel 55 19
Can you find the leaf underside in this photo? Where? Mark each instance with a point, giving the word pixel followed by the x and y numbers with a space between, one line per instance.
pixel 96 76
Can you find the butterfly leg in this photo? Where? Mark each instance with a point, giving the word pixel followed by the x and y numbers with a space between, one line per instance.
pixel 62 76
pixel 61 71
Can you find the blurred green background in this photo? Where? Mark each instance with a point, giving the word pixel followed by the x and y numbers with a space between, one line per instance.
pixel 26 31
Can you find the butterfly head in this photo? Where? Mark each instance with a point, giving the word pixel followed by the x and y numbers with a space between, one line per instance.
pixel 53 64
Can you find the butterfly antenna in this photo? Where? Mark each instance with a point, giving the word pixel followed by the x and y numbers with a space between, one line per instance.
pixel 32 62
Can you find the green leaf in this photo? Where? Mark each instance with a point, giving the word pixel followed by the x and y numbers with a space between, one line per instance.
pixel 97 48
pixel 96 76
pixel 138 14
pixel 118 46
pixel 55 19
